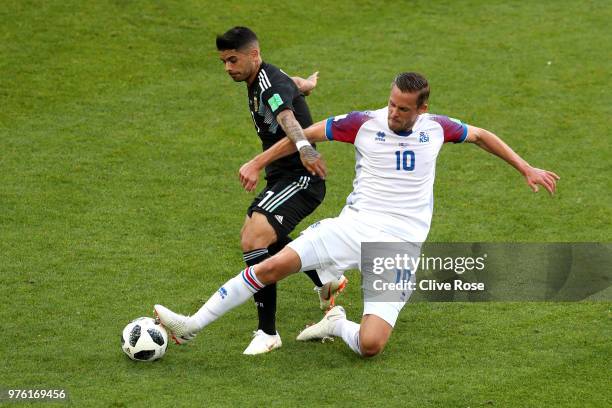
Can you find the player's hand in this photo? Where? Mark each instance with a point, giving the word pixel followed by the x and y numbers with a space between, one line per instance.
pixel 545 178
pixel 309 84
pixel 313 161
pixel 249 175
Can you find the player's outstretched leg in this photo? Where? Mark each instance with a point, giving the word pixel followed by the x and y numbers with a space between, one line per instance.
pixel 327 293
pixel 366 339
pixel 175 323
pixel 233 293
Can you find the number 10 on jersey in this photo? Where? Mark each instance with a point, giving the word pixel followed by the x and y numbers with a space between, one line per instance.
pixel 404 160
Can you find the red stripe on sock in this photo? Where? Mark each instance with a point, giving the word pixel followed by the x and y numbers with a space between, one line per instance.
pixel 248 273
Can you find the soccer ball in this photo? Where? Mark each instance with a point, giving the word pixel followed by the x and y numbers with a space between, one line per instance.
pixel 144 339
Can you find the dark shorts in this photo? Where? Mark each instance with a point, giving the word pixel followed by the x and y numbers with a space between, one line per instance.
pixel 286 202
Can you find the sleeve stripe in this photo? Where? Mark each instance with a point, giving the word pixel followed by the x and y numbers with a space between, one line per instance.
pixel 264 83
pixel 261 85
pixel 328 129
pixel 264 76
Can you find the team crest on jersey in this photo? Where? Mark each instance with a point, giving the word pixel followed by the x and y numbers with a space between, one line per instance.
pixel 423 137
pixel 380 136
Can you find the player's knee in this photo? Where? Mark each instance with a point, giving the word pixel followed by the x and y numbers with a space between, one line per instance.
pixel 268 271
pixel 371 346
pixel 371 349
pixel 246 242
pixel 250 239
pixel 277 267
pixel 255 236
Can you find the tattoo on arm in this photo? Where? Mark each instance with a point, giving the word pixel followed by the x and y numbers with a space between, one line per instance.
pixel 291 126
pixel 295 133
pixel 309 154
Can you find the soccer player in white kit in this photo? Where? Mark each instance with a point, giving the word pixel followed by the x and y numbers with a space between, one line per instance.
pixel 392 201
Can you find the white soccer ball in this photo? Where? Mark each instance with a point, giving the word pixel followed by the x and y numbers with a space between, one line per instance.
pixel 144 339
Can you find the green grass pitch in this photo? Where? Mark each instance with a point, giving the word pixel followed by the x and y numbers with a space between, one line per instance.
pixel 120 141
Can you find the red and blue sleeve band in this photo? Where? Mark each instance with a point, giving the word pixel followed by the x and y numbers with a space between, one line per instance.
pixel 328 128
pixel 463 134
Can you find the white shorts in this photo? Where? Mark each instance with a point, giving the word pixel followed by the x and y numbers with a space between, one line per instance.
pixel 333 245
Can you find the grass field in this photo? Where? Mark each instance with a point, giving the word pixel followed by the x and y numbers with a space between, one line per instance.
pixel 120 140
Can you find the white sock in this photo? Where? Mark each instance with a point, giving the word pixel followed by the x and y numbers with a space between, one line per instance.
pixel 233 293
pixel 349 331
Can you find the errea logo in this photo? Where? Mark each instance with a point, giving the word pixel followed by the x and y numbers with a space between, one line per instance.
pixel 423 137
pixel 222 292
pixel 380 136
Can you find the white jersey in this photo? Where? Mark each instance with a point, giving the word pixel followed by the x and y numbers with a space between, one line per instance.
pixel 394 172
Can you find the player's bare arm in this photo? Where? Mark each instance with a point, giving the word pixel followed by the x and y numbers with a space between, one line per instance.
pixel 249 172
pixel 533 176
pixel 307 85
pixel 309 156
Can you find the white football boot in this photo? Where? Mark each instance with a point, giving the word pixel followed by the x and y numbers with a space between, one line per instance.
pixel 329 292
pixel 263 343
pixel 325 327
pixel 175 323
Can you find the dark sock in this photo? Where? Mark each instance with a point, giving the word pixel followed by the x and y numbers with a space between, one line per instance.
pixel 265 299
pixel 314 277
pixel 280 244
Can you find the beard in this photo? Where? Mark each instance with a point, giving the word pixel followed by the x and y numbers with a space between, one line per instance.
pixel 397 126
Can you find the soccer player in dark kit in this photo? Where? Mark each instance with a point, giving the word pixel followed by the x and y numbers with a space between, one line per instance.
pixel 295 186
